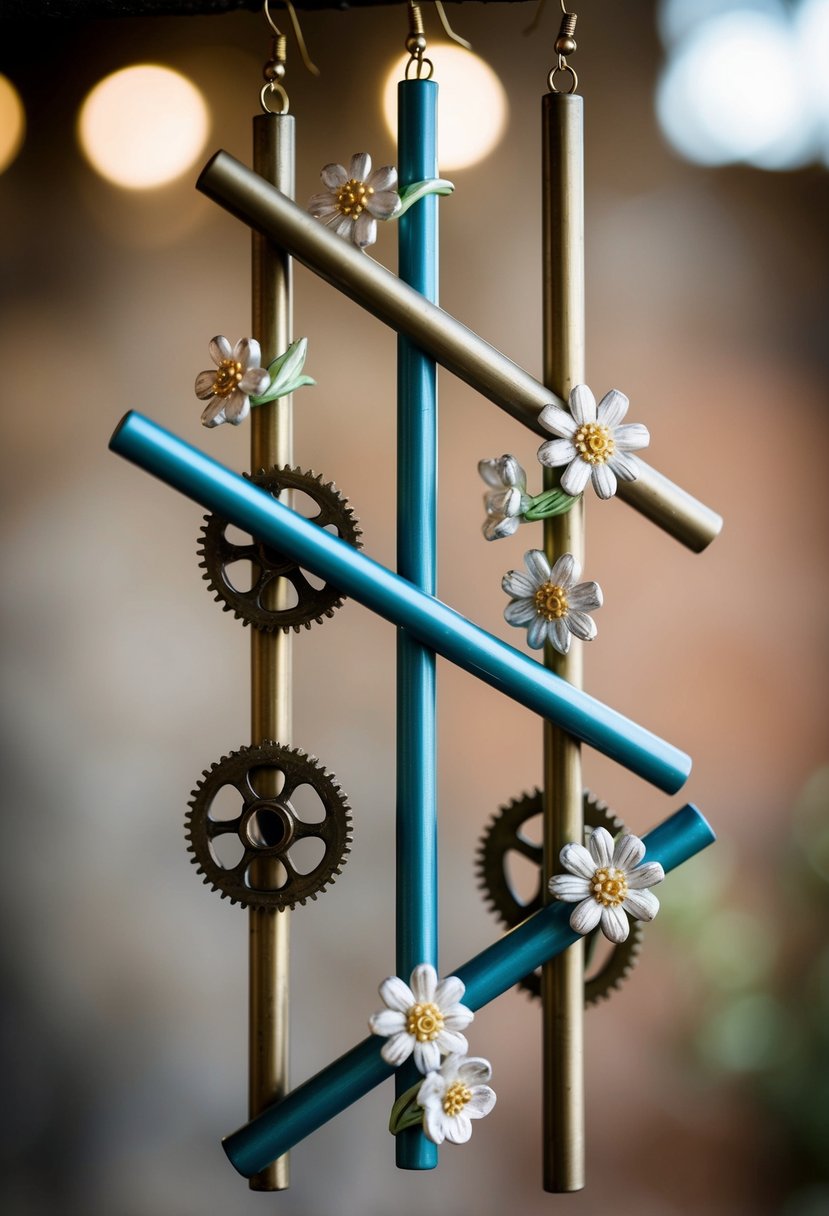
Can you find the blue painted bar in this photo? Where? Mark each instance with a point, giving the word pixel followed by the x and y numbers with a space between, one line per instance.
pixel 487 976
pixel 416 841
pixel 217 488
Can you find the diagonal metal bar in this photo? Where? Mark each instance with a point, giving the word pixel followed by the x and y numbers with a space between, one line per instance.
pixel 448 633
pixel 247 196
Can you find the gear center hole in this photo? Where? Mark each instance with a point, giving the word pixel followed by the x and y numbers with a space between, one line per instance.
pixel 268 827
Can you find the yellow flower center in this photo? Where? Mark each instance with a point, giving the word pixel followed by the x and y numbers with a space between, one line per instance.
pixel 351 198
pixel 609 887
pixel 594 443
pixel 425 1022
pixel 228 375
pixel 456 1098
pixel 551 602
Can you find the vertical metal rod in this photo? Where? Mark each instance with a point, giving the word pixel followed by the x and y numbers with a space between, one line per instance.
pixel 417 917
pixel 270 653
pixel 562 984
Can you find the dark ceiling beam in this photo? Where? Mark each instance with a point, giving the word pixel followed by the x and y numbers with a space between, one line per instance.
pixel 81 10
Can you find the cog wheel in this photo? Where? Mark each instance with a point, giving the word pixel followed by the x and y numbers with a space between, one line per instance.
pixel 273 571
pixel 504 835
pixel 247 839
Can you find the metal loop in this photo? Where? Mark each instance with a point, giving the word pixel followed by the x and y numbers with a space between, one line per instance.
pixel 273 86
pixel 567 70
pixel 420 61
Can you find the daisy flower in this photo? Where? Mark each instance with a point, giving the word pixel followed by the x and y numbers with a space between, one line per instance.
pixel 592 443
pixel 354 200
pixel 453 1096
pixel 228 386
pixel 550 603
pixel 606 882
pixel 507 499
pixel 424 1019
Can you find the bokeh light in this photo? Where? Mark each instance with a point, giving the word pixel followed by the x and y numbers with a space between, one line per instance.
pixel 143 126
pixel 12 123
pixel 472 110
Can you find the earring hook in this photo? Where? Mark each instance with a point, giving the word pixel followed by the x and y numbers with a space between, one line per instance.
pixel 444 20
pixel 303 49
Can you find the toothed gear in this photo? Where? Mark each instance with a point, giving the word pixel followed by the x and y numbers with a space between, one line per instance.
pixel 268 826
pixel 270 567
pixel 504 835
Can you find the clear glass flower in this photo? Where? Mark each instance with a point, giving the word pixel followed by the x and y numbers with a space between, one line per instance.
pixel 550 603
pixel 606 882
pixel 507 500
pixel 592 443
pixel 354 200
pixel 423 1018
pixel 236 377
pixel 455 1095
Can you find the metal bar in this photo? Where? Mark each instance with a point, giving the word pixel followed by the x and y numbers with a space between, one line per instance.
pixel 517 675
pixel 416 845
pixel 488 975
pixel 271 443
pixel 562 979
pixel 244 194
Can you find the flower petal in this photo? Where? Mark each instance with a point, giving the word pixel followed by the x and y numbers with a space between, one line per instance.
pixel 518 585
pixel 581 625
pixel 560 422
pixel 582 404
pixel 612 408
pixel 365 231
pixel 432 1089
pixel 255 381
pixel 512 473
pixel 384 178
pixel 576 859
pixel 537 633
pixel 575 477
pixel 426 1055
pixel 214 413
pixel 452 1040
pixel 566 570
pixel 604 480
pixel 615 925
pixel 237 407
pixel 457 1016
pixel 333 176
pixel 642 904
pixel 423 982
pixel 204 385
pixel 383 204
pixel 219 348
pixel 387 1022
pixel 520 613
pixel 628 852
pixel 474 1071
pixel 569 888
pixel 538 566
pixel 340 225
pixel 490 470
pixel 433 1120
pixel 397 995
pixel 360 166
pixel 322 205
pixel 556 452
pixel 585 916
pixel 559 635
pixel 632 436
pixel 496 529
pixel 646 875
pixel 397 1049
pixel 585 597
pixel 247 352
pixel 481 1103
pixel 625 466
pixel 449 992
pixel 503 502
pixel 458 1128
pixel 600 846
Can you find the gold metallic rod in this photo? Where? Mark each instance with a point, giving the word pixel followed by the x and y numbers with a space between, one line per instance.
pixel 562 982
pixel 271 444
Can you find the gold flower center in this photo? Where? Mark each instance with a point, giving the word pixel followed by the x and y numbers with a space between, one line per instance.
pixel 551 602
pixel 425 1022
pixel 456 1098
pixel 228 375
pixel 609 887
pixel 594 443
pixel 351 198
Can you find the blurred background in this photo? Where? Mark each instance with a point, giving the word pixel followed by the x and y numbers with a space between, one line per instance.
pixel 124 1011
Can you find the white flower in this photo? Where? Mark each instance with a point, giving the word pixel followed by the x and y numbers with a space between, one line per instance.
pixel 425 1018
pixel 607 882
pixel 236 377
pixel 550 604
pixel 508 499
pixel 593 444
pixel 454 1096
pixel 353 201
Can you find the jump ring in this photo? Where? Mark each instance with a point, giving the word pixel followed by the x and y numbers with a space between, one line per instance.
pixel 566 69
pixel 273 86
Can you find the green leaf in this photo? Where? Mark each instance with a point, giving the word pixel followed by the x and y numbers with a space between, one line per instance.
pixel 406 1112
pixel 412 194
pixel 550 503
pixel 284 372
pixel 282 390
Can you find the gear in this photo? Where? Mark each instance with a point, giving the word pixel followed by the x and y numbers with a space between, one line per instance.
pixel 271 570
pixel 504 835
pixel 237 801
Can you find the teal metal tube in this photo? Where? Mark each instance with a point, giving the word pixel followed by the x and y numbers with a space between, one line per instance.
pixel 488 975
pixel 416 840
pixel 217 488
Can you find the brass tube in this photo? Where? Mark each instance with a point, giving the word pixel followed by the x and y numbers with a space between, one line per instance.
pixel 243 193
pixel 271 444
pixel 562 979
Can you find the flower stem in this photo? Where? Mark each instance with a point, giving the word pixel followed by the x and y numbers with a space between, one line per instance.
pixel 549 503
pixel 412 194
